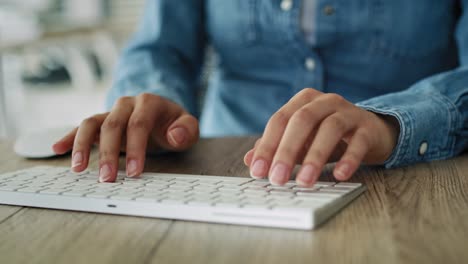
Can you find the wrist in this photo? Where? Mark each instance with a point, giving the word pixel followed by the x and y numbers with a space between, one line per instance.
pixel 390 135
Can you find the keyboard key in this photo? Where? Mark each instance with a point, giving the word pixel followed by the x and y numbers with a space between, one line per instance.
pixel 298 188
pixel 319 194
pixel 314 199
pixel 208 181
pixel 185 180
pixel 6 176
pixel 17 183
pixel 39 184
pixel 133 184
pixel 30 189
pixel 282 191
pixel 323 184
pixel 10 187
pixel 180 188
pixel 149 198
pixel 237 180
pixel 182 183
pixel 157 184
pixel 231 188
pixel 273 187
pixel 204 196
pixel 255 190
pixel 283 203
pixel 257 184
pixel 204 189
pixel 335 189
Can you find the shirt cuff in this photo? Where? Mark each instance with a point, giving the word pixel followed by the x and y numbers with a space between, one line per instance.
pixel 426 120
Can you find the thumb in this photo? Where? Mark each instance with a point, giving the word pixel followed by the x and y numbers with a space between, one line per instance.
pixel 182 133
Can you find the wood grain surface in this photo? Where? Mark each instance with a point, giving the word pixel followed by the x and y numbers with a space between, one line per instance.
pixel 416 214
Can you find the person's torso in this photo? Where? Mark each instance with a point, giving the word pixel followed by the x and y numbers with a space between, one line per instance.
pixel 359 49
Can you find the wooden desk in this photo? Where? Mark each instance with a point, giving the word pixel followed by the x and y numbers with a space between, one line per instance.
pixel 417 214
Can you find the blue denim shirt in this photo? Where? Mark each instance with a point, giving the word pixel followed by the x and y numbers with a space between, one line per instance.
pixel 401 58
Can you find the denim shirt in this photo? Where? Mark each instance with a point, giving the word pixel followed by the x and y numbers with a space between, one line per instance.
pixel 407 59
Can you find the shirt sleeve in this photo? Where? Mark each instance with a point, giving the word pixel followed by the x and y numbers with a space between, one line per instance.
pixel 165 55
pixel 433 113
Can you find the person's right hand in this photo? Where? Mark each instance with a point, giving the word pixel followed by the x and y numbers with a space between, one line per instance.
pixel 134 125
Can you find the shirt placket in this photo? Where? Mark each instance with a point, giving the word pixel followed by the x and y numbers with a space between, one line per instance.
pixel 311 63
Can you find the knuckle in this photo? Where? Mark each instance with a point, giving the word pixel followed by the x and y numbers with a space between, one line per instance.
pixel 307 93
pixel 123 101
pixel 112 124
pixel 302 115
pixel 280 118
pixel 90 121
pixel 336 122
pixel 334 98
pixel 145 98
pixel 138 123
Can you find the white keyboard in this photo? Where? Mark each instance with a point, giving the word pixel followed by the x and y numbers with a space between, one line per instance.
pixel 231 200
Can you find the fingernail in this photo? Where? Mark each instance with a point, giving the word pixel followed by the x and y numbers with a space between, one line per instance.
pixel 279 174
pixel 177 135
pixel 259 169
pixel 132 168
pixel 105 173
pixel 342 170
pixel 306 175
pixel 77 159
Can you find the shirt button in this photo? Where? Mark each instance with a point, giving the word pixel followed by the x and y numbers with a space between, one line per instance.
pixel 329 10
pixel 310 64
pixel 423 148
pixel 286 5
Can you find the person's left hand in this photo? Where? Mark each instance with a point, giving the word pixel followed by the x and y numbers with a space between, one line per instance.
pixel 314 128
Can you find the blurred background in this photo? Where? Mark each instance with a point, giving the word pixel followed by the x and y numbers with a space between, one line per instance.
pixel 57 59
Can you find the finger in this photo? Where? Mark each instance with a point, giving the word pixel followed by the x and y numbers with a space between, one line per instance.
pixel 155 122
pixel 83 141
pixel 112 130
pixel 65 144
pixel 299 130
pixel 338 152
pixel 274 131
pixel 174 128
pixel 182 133
pixel 329 134
pixel 257 142
pixel 140 125
pixel 249 154
pixel 248 157
pixel 352 158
